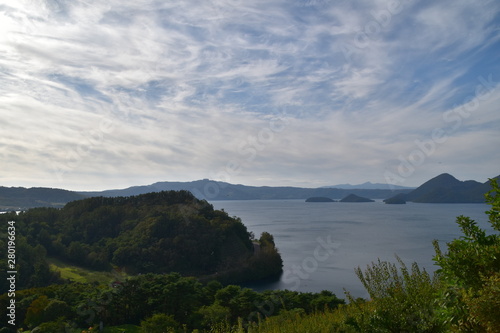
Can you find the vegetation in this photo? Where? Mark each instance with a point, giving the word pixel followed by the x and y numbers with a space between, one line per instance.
pixel 319 199
pixel 398 199
pixel 165 301
pixel 355 198
pixel 150 233
pixel 19 198
pixel 462 296
pixel 447 189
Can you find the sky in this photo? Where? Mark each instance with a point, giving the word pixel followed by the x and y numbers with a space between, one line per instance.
pixel 97 95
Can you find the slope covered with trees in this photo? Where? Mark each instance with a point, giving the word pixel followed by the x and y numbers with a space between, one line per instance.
pixel 447 189
pixel 151 233
pixel 19 198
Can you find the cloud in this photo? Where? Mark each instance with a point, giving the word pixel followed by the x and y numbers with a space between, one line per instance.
pixel 98 95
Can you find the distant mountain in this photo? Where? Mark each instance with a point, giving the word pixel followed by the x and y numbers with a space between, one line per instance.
pixel 441 189
pixel 213 190
pixel 20 198
pixel 447 189
pixel 370 186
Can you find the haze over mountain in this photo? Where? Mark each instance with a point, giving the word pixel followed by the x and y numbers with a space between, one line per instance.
pixel 370 186
pixel 441 189
pixel 213 190
pixel 445 189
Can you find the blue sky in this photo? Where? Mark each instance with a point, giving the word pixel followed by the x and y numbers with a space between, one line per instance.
pixel 98 95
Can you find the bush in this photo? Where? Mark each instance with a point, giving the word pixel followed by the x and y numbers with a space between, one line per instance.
pixel 403 300
pixel 470 271
pixel 159 323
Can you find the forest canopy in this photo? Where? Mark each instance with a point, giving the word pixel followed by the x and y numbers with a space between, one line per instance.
pixel 162 232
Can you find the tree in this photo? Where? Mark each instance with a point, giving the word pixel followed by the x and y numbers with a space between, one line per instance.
pixel 470 270
pixel 214 314
pixel 159 323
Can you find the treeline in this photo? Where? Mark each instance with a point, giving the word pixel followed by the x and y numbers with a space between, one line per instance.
pixel 167 301
pixel 462 296
pixel 151 233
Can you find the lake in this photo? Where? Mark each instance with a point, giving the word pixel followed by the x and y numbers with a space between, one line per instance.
pixel 322 243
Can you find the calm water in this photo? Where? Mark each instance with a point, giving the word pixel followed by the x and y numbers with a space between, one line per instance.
pixel 322 243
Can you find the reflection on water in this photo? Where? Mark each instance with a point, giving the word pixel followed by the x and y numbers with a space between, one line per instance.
pixel 322 243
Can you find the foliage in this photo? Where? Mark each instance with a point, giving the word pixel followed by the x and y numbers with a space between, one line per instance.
pixel 484 306
pixel 150 233
pixel 463 296
pixel 470 271
pixel 140 300
pixel 159 323
pixel 404 300
pixel 214 314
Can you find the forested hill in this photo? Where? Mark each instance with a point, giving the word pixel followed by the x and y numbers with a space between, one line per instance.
pixel 156 232
pixel 18 198
pixel 447 189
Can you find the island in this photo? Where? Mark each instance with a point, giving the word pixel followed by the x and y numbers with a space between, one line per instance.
pixel 356 198
pixel 399 199
pixel 319 199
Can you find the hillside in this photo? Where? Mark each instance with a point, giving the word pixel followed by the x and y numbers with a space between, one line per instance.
pixel 156 232
pixel 214 190
pixel 355 198
pixel 447 189
pixel 19 198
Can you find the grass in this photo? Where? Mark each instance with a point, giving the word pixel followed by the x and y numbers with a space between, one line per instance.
pixel 83 275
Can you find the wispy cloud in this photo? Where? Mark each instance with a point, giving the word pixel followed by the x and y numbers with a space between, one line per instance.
pixel 98 95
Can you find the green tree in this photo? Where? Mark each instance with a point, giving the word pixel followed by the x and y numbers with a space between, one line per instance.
pixel 159 323
pixel 470 270
pixel 214 314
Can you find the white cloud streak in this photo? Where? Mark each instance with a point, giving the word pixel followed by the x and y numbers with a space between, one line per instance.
pixel 104 95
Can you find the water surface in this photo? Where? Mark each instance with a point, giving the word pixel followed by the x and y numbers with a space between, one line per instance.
pixel 355 234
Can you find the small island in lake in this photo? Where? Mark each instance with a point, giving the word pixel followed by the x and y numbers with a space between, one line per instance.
pixel 319 199
pixel 399 199
pixel 356 198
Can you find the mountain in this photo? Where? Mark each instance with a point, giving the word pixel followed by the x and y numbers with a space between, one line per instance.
pixel 20 198
pixel 214 190
pixel 447 189
pixel 370 186
pixel 441 189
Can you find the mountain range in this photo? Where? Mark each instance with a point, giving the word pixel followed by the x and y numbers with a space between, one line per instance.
pixel 370 186
pixel 214 190
pixel 441 189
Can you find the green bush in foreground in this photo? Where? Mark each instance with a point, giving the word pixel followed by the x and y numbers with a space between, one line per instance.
pixel 470 271
pixel 403 300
